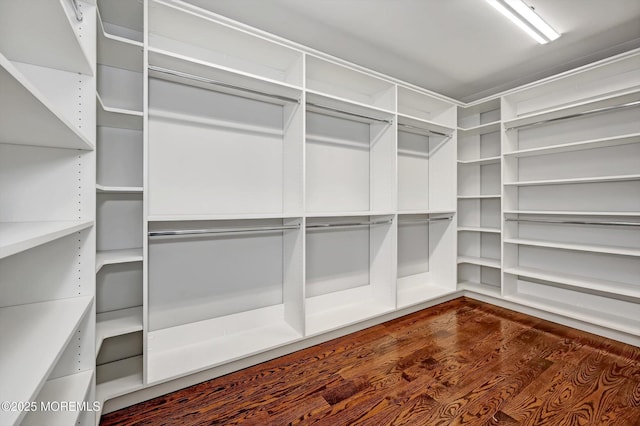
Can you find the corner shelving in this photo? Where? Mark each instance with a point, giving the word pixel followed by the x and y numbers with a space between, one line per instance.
pixel 116 323
pixel 111 257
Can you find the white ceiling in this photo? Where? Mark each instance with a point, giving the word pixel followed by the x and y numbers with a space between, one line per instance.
pixel 460 48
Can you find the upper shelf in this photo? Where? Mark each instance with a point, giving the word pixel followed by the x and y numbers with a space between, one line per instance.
pixel 28 118
pixel 598 179
pixel 412 124
pixel 599 104
pixel 27 362
pixel 20 236
pixel 117 117
pixel 426 107
pixel 481 161
pixel 339 107
pixel 481 129
pixel 47 31
pixel 117 51
pixel 122 18
pixel 577 146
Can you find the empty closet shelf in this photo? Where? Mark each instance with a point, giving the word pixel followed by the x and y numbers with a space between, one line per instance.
pixel 476 197
pixel 118 378
pixel 119 189
pixel 624 251
pixel 119 52
pixel 26 363
pixel 112 257
pixel 19 236
pixel 118 117
pixel 481 261
pixel 613 289
pixel 577 146
pixel 600 179
pixel 117 323
pixel 481 129
pixel 574 213
pixel 480 288
pixel 478 229
pixel 480 161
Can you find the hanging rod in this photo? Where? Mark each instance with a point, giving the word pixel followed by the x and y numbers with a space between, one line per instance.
pixel 182 232
pixel 580 114
pixel 417 221
pixel 573 222
pixel 221 84
pixel 429 132
pixel 76 9
pixel 352 114
pixel 350 224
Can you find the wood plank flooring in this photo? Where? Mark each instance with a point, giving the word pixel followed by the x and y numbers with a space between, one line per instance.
pixel 459 363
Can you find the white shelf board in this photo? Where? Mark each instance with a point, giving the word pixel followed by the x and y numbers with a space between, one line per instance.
pixel 574 246
pixel 424 124
pixel 601 179
pixel 481 288
pixel 429 212
pixel 478 229
pixel 617 98
pixel 119 189
pixel 20 236
pixel 350 213
pixel 117 117
pixel 28 118
pixel 475 197
pixel 572 213
pixel 118 52
pixel 412 292
pixel 68 388
pixel 481 129
pixel 118 378
pixel 38 334
pixel 112 257
pixel 604 318
pixel 481 161
pixel 239 216
pixel 481 261
pixel 185 349
pixel 612 288
pixel 117 323
pixel 345 105
pixel 577 146
pixel 41 32
pixel 342 308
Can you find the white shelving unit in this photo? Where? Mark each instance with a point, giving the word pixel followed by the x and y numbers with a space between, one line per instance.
pixel 47 176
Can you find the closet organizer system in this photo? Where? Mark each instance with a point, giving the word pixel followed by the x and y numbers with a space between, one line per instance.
pixel 244 197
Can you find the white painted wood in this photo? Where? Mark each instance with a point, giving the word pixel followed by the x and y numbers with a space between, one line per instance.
pixel 21 236
pixel 116 323
pixel 118 378
pixel 413 171
pixel 479 287
pixel 22 104
pixel 110 257
pixel 117 51
pixel 51 37
pixel 422 106
pixel 479 129
pixel 413 248
pixel 120 88
pixel 414 290
pixel 481 161
pixel 109 116
pixel 119 158
pixel 621 178
pixel 423 124
pixel 118 287
pixel 69 388
pixel 122 18
pixel 119 189
pixel 579 247
pixel 119 221
pixel 575 213
pixel 471 197
pixel 51 325
pixel 577 146
pixel 482 261
pixel 478 229
pixel 119 348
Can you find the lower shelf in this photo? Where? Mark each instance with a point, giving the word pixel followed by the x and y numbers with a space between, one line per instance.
pixel 481 288
pixel 72 388
pixel 342 308
pixel 110 257
pixel 481 261
pixel 117 323
pixel 20 236
pixel 414 290
pixel 118 378
pixel 189 348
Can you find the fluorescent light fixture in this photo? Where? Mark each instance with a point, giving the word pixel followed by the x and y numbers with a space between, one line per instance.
pixel 525 18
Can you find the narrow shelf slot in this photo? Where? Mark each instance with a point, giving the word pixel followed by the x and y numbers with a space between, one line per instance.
pixel 577 146
pixel 118 378
pixel 481 161
pixel 574 213
pixel 21 236
pixel 623 251
pixel 480 261
pixel 417 124
pixel 481 129
pixel 118 117
pixel 119 189
pixel 601 179
pixel 478 229
pixel 117 323
pixel 117 51
pixel 112 257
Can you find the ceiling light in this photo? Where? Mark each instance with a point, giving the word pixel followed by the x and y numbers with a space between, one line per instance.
pixel 525 18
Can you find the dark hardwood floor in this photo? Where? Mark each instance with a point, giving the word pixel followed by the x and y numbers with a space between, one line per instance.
pixel 458 363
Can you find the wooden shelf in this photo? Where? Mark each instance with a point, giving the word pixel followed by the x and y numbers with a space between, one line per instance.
pixel 118 117
pixel 476 197
pixel 117 323
pixel 577 146
pixel 119 52
pixel 28 118
pixel 118 378
pixel 34 354
pixel 601 179
pixel 186 349
pixel 481 161
pixel 119 189
pixel 574 246
pixel 49 39
pixel 482 129
pixel 21 236
pixel 480 288
pixel 572 213
pixel 605 319
pixel 481 261
pixel 478 229
pixel 68 388
pixel 617 98
pixel 424 124
pixel 112 257
pixel 613 289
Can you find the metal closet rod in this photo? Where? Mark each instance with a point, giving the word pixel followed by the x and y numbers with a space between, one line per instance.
pixel 181 232
pixel 352 114
pixel 336 225
pixel 431 219
pixel 76 9
pixel 221 84
pixel 580 114
pixel 574 222
pixel 429 132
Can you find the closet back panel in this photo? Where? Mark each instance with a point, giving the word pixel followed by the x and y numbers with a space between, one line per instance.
pixel 413 249
pixel 336 259
pixel 120 88
pixel 119 221
pixel 413 171
pixel 490 145
pixel 117 287
pixel 490 181
pixel 120 347
pixel 119 161
pixel 194 279
pixel 581 234
pixel 614 196
pixel 337 164
pixel 212 153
